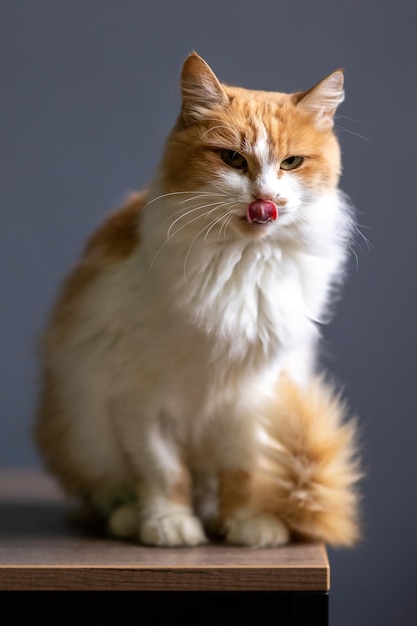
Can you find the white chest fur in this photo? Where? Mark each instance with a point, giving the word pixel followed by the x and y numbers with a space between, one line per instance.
pixel 248 298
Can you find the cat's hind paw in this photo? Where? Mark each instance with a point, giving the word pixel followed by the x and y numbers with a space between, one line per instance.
pixel 174 529
pixel 123 522
pixel 258 530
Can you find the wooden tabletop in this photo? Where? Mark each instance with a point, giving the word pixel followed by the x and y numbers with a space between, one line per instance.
pixel 41 550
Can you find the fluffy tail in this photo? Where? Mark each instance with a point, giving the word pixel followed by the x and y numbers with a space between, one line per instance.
pixel 309 471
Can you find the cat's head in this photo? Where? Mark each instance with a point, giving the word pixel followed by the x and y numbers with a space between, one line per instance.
pixel 250 162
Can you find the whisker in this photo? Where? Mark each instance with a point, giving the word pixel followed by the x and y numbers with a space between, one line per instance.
pixel 226 224
pixel 223 204
pixel 352 119
pixel 365 239
pixel 223 122
pixel 202 216
pixel 174 193
pixel 353 133
pixel 167 239
pixel 189 251
pixel 157 255
pixel 353 251
pixel 180 211
pixel 208 193
pixel 219 219
pixel 188 213
pixel 213 128
pixel 209 227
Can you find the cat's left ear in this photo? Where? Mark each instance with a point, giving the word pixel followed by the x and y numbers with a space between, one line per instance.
pixel 200 89
pixel 323 99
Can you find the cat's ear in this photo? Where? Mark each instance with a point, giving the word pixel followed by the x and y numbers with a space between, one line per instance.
pixel 323 99
pixel 200 89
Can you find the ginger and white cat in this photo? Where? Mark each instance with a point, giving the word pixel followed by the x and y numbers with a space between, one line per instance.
pixel 180 356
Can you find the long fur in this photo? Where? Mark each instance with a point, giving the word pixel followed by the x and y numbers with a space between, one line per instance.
pixel 309 464
pixel 181 316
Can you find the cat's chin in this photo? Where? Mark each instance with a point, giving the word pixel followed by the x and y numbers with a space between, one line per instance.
pixel 254 229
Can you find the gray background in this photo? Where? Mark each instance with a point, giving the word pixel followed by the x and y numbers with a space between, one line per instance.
pixel 88 92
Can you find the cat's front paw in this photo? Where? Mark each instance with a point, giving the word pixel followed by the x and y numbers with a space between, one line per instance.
pixel 174 529
pixel 257 530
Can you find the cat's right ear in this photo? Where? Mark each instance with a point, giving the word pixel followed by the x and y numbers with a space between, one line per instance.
pixel 200 89
pixel 323 99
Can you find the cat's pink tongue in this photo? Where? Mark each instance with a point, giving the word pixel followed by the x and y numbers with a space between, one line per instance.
pixel 261 211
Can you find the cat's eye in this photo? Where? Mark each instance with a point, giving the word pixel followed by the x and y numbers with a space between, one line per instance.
pixel 234 159
pixel 291 163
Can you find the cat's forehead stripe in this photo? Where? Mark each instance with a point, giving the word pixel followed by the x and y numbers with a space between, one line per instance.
pixel 263 146
pixel 260 147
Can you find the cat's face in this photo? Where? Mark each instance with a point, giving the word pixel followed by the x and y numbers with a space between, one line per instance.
pixel 250 163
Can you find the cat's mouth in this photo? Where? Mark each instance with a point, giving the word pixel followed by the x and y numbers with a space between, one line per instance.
pixel 261 212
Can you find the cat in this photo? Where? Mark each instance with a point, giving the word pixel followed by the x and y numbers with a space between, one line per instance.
pixel 179 392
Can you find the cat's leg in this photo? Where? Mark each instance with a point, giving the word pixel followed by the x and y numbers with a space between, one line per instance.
pixel 163 514
pixel 165 511
pixel 242 521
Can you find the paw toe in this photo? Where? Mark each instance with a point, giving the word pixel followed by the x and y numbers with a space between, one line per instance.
pixel 261 530
pixel 172 530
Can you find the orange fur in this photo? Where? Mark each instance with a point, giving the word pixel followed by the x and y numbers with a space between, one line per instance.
pixel 310 468
pixel 180 490
pixel 234 492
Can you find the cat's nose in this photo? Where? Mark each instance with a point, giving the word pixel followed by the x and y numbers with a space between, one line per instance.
pixel 265 196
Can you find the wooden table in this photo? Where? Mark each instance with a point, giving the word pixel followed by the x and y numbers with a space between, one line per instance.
pixel 45 562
